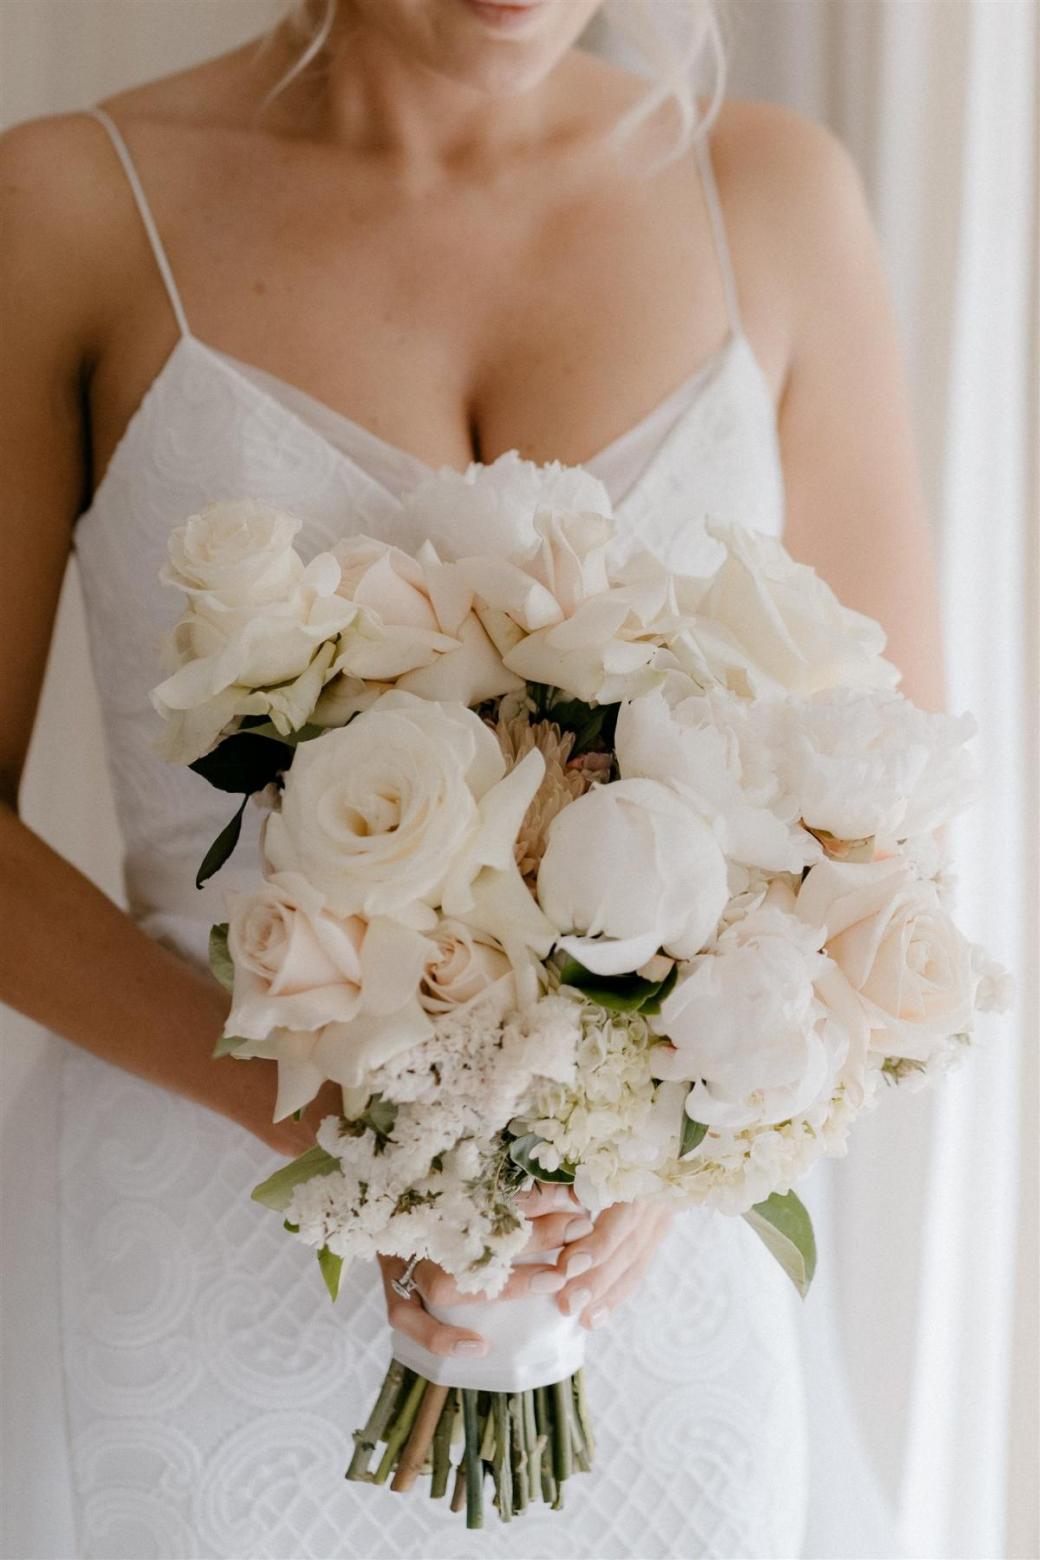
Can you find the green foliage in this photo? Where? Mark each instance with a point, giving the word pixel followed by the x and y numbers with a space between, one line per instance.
pixel 227 1045
pixel 521 1151
pixel 783 1223
pixel 246 761
pixel 221 848
pixel 617 993
pixel 276 1192
pixel 592 724
pixel 691 1134
pixel 219 958
pixel 331 1271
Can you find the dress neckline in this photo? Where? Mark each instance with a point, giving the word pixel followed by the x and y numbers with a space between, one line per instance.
pixel 266 386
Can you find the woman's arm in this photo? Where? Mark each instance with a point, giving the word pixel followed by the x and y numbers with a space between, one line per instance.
pixel 855 503
pixel 69 958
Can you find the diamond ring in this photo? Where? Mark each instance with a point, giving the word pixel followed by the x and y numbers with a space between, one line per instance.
pixel 405 1286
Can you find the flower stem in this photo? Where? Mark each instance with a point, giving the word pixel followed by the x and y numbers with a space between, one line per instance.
pixel 502 1467
pixel 442 1447
pixel 562 1459
pixel 545 1436
pixel 366 1440
pixel 474 1467
pixel 401 1428
pixel 418 1443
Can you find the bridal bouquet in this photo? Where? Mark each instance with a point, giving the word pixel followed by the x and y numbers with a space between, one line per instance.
pixel 575 870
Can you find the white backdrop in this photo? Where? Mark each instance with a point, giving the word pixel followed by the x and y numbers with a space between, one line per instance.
pixel 933 1237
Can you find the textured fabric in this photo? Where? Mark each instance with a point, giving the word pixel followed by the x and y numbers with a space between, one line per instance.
pixel 211 1389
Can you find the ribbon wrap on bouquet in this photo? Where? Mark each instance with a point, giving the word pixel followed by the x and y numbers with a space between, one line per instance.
pixel 531 1343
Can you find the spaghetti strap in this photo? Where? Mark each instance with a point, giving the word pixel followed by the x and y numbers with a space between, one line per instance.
pixel 718 225
pixel 141 201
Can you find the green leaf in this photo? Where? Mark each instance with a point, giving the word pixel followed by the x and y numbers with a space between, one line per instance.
pixel 653 1004
pixel 691 1135
pixel 227 1045
pixel 520 1152
pixel 221 848
pixel 784 1224
pixel 331 1270
pixel 245 761
pixel 294 1229
pixel 220 961
pixel 616 993
pixel 276 1192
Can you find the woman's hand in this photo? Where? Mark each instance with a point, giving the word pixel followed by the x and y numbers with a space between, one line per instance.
pixel 557 1219
pixel 601 1269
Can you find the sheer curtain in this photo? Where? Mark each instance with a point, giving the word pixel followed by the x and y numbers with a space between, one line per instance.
pixel 930 1226
pixel 934 1215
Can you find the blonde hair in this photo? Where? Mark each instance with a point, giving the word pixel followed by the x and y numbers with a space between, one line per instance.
pixel 670 41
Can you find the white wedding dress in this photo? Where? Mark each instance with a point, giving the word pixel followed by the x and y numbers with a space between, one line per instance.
pixel 192 1391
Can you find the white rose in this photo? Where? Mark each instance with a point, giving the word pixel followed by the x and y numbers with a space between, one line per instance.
pixel 297 965
pixel 240 552
pixel 268 658
pixel 910 969
pixel 466 966
pixel 607 646
pixel 340 1031
pixel 407 808
pixel 748 1031
pixel 872 763
pixel 708 747
pixel 491 509
pixel 414 626
pixel 629 868
pixel 765 623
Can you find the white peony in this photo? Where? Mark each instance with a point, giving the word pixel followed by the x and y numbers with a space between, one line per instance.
pixel 409 808
pixel 708 747
pixel 629 868
pixel 864 764
pixel 910 970
pixel 239 552
pixel 748 1030
pixel 765 623
pixel 490 510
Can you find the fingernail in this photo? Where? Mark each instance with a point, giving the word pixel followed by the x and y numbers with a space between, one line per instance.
pixel 547 1283
pixel 578 1262
pixel 470 1346
pixel 598 1316
pixel 577 1301
pixel 577 1228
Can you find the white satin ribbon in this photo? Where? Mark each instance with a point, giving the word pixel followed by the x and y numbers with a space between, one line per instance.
pixel 530 1344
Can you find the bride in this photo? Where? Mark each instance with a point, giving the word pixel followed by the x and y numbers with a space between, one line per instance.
pixel 396 235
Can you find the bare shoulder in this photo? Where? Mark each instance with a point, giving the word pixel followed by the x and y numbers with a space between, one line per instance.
pixel 795 173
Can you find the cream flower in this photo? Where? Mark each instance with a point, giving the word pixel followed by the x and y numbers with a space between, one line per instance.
pixel 241 553
pixel 897 950
pixel 747 1028
pixel 564 780
pixel 872 764
pixel 709 748
pixel 466 966
pixel 765 623
pixel 490 510
pixel 414 626
pixel 266 658
pixel 629 869
pixel 410 808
